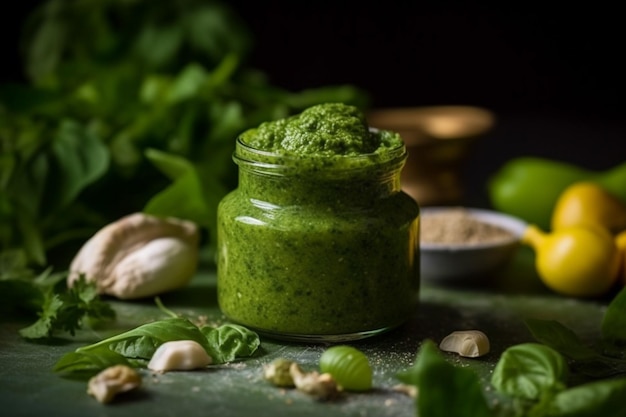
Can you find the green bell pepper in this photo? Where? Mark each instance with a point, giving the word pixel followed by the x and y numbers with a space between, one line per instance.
pixel 528 187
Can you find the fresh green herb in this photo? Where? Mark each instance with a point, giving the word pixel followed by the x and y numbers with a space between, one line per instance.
pixel 165 310
pixel 84 365
pixel 140 343
pixel 601 398
pixel 533 375
pixel 59 308
pixel 108 124
pixel 614 322
pixel 444 389
pixel 229 342
pixel 559 337
pixel 598 397
pixel 188 197
pixel 224 343
pixel 546 379
pixel 44 168
pixel 530 371
pixel 69 310
pixel 540 381
pixel 603 360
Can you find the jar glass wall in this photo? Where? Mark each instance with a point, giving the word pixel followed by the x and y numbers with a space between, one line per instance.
pixel 323 251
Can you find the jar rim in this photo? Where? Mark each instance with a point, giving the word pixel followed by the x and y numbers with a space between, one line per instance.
pixel 247 156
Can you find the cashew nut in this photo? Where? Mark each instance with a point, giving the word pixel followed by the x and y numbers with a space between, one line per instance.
pixel 112 381
pixel 320 386
pixel 179 355
pixel 407 389
pixel 139 256
pixel 468 343
pixel 278 372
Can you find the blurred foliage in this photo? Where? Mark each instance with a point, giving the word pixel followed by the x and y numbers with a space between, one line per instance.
pixel 131 105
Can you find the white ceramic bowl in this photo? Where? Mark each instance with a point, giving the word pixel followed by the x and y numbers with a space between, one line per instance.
pixel 467 264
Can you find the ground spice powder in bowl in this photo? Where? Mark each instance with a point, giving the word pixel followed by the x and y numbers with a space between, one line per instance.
pixel 460 245
pixel 460 226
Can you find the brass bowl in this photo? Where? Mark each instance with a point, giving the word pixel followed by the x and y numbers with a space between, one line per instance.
pixel 438 139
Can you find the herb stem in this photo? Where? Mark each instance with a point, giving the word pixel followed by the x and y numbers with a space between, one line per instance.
pixel 164 309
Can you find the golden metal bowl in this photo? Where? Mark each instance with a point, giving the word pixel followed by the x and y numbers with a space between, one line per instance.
pixel 438 139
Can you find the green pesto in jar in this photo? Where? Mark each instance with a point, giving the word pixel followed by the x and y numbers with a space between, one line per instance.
pixel 318 242
pixel 325 130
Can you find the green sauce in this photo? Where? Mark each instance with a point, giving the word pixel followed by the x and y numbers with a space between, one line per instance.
pixel 325 130
pixel 318 242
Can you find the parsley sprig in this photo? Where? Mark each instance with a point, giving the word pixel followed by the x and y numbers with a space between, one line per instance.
pixel 59 309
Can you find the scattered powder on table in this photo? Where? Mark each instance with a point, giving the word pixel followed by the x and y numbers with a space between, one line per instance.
pixel 457 225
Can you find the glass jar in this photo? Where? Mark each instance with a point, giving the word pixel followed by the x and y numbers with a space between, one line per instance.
pixel 322 249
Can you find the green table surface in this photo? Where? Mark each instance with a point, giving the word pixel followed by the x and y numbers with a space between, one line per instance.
pixel 28 387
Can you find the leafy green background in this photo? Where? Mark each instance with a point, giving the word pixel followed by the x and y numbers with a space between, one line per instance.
pixel 130 106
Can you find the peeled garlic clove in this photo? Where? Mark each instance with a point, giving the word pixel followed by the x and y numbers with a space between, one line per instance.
pixel 139 256
pixel 162 265
pixel 112 381
pixel 468 343
pixel 179 355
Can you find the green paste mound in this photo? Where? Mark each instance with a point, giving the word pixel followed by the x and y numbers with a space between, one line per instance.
pixel 330 129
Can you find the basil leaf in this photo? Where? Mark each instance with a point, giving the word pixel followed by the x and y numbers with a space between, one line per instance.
pixel 143 341
pixel 601 398
pixel 188 197
pixel 60 171
pixel 215 30
pixel 585 360
pixel 79 158
pixel 559 337
pixel 230 341
pixel 530 371
pixel 614 322
pixel 188 83
pixel 83 365
pixel 169 39
pixel 444 389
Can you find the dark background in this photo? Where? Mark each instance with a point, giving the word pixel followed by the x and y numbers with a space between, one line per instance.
pixel 409 53
pixel 554 81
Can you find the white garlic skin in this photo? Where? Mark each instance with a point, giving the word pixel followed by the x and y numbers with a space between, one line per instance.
pixel 179 355
pixel 142 273
pixel 139 256
pixel 467 343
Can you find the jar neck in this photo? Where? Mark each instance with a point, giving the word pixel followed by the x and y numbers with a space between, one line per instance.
pixel 300 190
pixel 342 180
